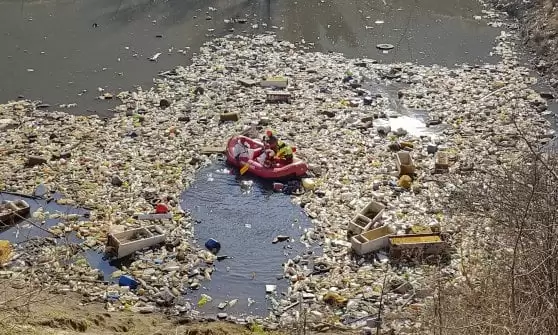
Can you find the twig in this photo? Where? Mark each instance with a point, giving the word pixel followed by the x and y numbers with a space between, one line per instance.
pixel 34 197
pixel 410 298
pixel 379 316
pixel 533 151
pixel 35 225
pixel 489 94
pixel 294 304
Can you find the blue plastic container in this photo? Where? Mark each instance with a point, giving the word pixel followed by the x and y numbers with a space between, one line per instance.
pixel 126 280
pixel 213 245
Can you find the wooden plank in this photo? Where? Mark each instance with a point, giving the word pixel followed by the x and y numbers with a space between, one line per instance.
pixel 213 150
pixel 165 216
pixel 279 82
pixel 232 116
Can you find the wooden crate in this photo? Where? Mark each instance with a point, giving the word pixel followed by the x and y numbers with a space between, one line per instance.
pixel 404 163
pixel 366 217
pixel 13 211
pixel 127 242
pixel 373 211
pixel 441 163
pixel 416 245
pixel 360 224
pixel 372 240
pixel 278 96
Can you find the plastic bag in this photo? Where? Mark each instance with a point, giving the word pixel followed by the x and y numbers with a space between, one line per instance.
pixel 204 300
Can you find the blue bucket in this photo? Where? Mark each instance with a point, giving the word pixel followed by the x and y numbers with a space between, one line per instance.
pixel 126 280
pixel 213 245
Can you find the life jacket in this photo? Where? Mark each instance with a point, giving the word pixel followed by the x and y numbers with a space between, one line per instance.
pixel 284 150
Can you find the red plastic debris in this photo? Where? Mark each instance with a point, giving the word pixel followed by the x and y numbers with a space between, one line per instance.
pixel 161 209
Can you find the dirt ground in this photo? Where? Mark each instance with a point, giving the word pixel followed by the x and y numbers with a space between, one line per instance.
pixel 24 312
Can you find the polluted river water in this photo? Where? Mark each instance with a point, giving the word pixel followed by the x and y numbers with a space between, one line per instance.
pixel 62 52
pixel 245 216
pixel 32 228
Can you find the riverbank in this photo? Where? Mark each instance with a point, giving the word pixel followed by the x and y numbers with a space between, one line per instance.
pixel 41 313
pixel 538 23
pixel 153 144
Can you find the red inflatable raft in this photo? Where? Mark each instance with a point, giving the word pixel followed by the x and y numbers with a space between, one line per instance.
pixel 242 150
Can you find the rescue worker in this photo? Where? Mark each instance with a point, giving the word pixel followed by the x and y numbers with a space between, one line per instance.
pixel 266 156
pixel 281 151
pixel 269 136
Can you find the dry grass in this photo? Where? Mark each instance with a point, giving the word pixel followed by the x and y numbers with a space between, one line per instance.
pixel 510 259
pixel 54 314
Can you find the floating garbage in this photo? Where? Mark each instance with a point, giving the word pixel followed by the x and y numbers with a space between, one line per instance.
pixel 213 245
pixel 127 242
pixel 13 211
pixel 372 240
pixel 278 96
pixel 135 144
pixel 404 163
pixel 333 298
pixel 129 281
pixel 204 299
pixel 385 46
pixel 416 245
pixel 404 181
pixel 308 184
pixel 280 238
pixel 278 187
pixel 279 82
pixel 5 251
pixel 161 208
pixel 155 57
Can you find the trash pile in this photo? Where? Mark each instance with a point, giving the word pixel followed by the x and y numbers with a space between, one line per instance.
pixel 151 149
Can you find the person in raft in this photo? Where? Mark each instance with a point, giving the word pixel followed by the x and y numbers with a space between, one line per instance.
pixel 281 151
pixel 276 149
pixel 269 137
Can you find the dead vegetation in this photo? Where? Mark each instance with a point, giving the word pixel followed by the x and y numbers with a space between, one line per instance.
pixel 39 312
pixel 509 254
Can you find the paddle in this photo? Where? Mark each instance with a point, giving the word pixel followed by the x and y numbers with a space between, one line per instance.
pixel 244 168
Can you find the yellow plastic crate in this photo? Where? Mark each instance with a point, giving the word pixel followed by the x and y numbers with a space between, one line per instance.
pixel 418 239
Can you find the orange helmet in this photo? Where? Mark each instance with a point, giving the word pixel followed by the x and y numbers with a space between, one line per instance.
pixel 268 133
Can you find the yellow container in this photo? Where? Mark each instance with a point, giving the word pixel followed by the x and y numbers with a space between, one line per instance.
pixel 406 144
pixel 5 251
pixel 418 239
pixel 308 183
pixel 405 181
